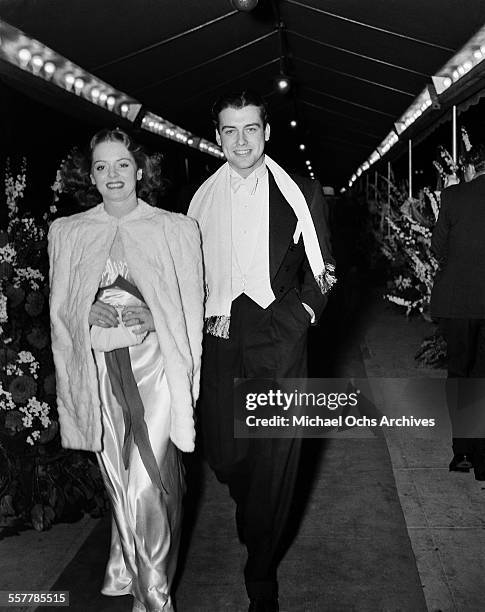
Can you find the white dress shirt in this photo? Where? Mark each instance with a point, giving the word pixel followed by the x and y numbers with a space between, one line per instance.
pixel 250 238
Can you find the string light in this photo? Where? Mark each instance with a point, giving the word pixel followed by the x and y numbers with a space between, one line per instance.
pixel 158 125
pixel 467 58
pixel 40 61
pixel 78 85
pixel 24 56
pixel 37 63
pixel 69 79
pixel 49 68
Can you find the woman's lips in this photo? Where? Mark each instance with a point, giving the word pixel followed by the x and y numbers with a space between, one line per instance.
pixel 115 185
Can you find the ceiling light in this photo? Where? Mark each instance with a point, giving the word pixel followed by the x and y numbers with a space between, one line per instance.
pixel 244 5
pixel 24 56
pixel 78 85
pixel 69 80
pixel 283 83
pixel 49 68
pixel 37 62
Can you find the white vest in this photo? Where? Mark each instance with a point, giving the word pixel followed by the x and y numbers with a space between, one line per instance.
pixel 250 236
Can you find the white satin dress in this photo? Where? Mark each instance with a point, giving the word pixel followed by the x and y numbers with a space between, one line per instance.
pixel 146 516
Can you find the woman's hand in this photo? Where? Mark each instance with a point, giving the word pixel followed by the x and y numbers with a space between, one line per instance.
pixel 103 315
pixel 138 315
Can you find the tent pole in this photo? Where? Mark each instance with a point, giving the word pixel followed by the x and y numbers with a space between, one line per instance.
pixel 454 134
pixel 410 168
pixel 388 193
pixel 377 200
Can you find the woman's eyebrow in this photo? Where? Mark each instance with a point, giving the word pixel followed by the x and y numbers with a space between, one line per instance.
pixel 105 161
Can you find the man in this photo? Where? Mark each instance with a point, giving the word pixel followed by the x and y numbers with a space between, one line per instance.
pixel 268 268
pixel 458 299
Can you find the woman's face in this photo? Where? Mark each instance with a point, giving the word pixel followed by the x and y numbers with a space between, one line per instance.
pixel 114 171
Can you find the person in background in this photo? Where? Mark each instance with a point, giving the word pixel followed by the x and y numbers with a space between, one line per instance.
pixel 458 300
pixel 127 314
pixel 268 268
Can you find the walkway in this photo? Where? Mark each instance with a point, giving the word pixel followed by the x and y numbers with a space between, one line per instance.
pixel 352 550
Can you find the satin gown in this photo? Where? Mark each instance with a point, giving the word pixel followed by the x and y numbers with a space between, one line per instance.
pixel 146 516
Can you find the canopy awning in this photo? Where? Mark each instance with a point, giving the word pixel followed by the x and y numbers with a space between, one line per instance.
pixel 356 65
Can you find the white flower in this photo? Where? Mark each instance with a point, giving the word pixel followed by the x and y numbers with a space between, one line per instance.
pixel 465 138
pixel 3 308
pixel 402 283
pixel 35 409
pixel 25 357
pixel 14 188
pixel 6 401
pixel 57 185
pixel 28 274
pixel 12 369
pixel 8 254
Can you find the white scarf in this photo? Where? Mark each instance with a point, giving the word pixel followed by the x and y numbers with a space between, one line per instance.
pixel 211 206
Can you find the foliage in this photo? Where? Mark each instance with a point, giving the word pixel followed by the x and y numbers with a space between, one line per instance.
pixel 39 481
pixel 402 229
pixel 432 352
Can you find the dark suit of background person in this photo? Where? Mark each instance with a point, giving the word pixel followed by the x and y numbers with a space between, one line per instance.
pixel 458 300
pixel 270 343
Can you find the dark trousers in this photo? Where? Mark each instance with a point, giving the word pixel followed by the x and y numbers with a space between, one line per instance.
pixel 260 473
pixel 465 340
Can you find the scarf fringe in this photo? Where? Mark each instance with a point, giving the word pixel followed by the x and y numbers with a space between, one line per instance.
pixel 327 279
pixel 218 326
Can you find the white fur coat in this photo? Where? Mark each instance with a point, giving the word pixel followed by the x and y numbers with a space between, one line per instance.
pixel 163 254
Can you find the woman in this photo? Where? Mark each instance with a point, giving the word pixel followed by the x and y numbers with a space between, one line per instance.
pixel 127 315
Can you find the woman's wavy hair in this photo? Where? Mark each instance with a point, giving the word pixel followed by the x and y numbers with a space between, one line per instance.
pixel 75 170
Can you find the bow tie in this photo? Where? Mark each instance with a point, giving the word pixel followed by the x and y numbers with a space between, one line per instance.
pixel 249 184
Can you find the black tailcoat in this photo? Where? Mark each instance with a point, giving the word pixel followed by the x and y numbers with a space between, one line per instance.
pixel 264 343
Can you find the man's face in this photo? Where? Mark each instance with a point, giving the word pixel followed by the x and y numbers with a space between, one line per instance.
pixel 242 137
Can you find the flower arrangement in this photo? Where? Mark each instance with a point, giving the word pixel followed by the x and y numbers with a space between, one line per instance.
pixel 402 231
pixel 409 250
pixel 406 245
pixel 39 481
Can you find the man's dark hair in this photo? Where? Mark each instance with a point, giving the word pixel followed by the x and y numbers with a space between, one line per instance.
pixel 476 157
pixel 239 100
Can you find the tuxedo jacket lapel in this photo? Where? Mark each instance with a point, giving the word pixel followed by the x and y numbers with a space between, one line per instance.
pixel 282 224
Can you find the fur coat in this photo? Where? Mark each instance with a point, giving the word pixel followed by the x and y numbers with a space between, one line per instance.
pixel 163 254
